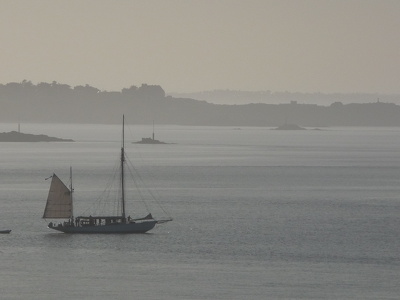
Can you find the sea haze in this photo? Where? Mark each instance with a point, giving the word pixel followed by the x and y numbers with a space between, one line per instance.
pixel 258 214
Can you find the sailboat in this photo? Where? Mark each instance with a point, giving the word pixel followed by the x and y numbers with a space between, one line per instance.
pixel 60 206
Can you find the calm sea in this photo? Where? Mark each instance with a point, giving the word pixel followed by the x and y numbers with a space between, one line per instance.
pixel 258 214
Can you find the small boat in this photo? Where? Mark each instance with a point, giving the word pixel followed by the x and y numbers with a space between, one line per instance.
pixel 5 231
pixel 60 206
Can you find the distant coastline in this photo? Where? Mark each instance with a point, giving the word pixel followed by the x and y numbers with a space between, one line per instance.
pixel 238 97
pixel 61 103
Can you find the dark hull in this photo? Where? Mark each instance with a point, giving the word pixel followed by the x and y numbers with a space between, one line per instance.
pixel 140 227
pixel 5 231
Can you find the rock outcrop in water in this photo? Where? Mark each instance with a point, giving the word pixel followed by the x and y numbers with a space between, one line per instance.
pixel 149 141
pixel 14 136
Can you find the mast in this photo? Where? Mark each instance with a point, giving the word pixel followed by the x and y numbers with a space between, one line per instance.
pixel 71 191
pixel 153 130
pixel 122 169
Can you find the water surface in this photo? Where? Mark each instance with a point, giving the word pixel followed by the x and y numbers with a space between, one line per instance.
pixel 258 214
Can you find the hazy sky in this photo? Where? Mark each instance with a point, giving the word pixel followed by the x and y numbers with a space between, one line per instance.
pixel 190 45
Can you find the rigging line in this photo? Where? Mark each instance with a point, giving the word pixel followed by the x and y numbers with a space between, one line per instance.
pixel 130 164
pixel 142 197
pixel 148 190
pixel 132 167
pixel 102 198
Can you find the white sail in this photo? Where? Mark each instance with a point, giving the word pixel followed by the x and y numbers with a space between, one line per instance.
pixel 59 200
